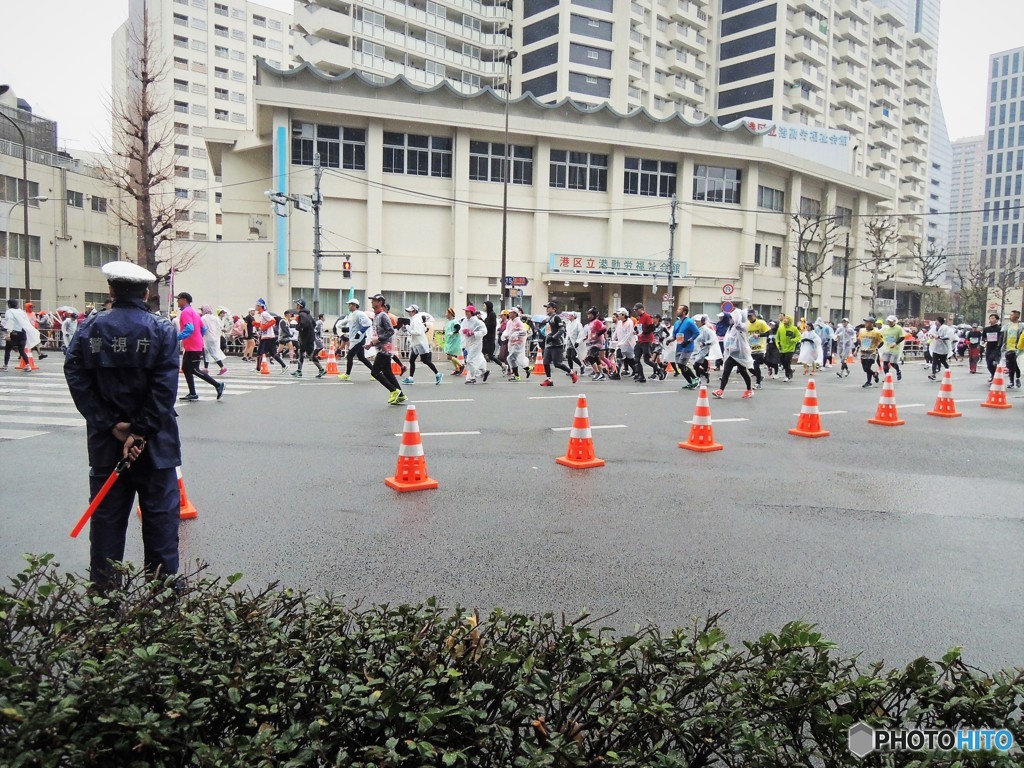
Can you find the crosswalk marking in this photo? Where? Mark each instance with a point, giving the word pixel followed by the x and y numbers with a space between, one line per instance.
pixel 18 434
pixel 45 420
pixel 38 408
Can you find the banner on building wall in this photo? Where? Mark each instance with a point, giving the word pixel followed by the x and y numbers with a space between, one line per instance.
pixel 821 145
pixel 627 267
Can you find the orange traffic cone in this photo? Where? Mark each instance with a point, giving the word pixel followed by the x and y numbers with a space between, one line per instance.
pixel 944 404
pixel 669 368
pixel 580 454
pixel 997 394
pixel 323 351
pixel 462 366
pixel 849 359
pixel 886 414
pixel 264 367
pixel 332 362
pixel 31 362
pixel 411 472
pixel 538 367
pixel 702 437
pixel 809 422
pixel 186 509
pixel 396 367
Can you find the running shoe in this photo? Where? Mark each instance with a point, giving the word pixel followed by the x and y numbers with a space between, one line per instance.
pixel 408 380
pixel 438 377
pixel 747 395
pixel 547 383
pixel 220 390
pixel 717 394
pixel 393 396
pixel 344 376
pixel 930 378
pixel 756 386
pixel 692 385
pixel 839 374
pixel 401 399
pixel 223 371
pixel 876 378
pixel 323 372
pixel 297 374
pixel 486 374
pixel 865 385
pixel 189 398
pixel 576 378
pixel 899 375
pixel 471 381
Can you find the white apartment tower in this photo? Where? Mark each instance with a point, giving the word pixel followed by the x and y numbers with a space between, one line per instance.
pixel 967 199
pixel 210 48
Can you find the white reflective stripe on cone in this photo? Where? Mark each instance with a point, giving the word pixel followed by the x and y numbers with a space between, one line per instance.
pixel 580 433
pixel 412 426
pixel 177 471
pixel 410 451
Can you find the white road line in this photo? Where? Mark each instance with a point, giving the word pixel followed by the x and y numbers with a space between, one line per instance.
pixel 44 421
pixel 592 426
pixel 453 400
pixel 18 434
pixel 971 400
pixel 721 421
pixel 55 408
pixel 48 384
pixel 655 392
pixel 41 400
pixel 551 397
pixel 440 434
pixel 825 413
pixel 910 405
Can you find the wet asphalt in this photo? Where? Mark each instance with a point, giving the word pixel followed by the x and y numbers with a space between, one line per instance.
pixel 897 542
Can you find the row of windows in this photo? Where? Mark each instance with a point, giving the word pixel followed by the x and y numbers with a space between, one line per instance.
pixel 992 211
pixel 487 163
pixel 1004 64
pixel 98 254
pixel 12 190
pixel 1000 186
pixel 17 241
pixel 338 147
pixel 77 200
pixel 1007 234
pixel 994 162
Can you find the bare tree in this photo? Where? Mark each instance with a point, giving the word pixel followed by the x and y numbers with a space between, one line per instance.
pixel 1001 282
pixel 972 282
pixel 930 263
pixel 140 163
pixel 816 236
pixel 882 233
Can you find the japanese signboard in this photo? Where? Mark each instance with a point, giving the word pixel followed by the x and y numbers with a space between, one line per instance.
pixel 644 267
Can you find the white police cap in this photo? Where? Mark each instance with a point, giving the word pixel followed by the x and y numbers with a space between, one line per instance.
pixel 126 272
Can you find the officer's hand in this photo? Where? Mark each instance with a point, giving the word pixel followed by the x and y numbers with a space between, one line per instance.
pixel 133 447
pixel 121 431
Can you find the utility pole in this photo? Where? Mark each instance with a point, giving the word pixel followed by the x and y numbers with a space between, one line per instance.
pixel 672 248
pixel 317 201
pixel 508 57
pixel 846 272
pixel 25 200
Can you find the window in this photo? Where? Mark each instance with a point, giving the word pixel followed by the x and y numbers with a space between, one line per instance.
pixel 181 171
pixel 487 163
pixel 98 204
pixel 273 24
pixel 220 51
pixel 180 85
pixel 237 117
pixel 220 9
pixel 199 45
pixel 259 42
pixel 12 190
pixel 17 241
pixel 715 184
pixel 810 207
pixel 338 147
pixel 220 114
pixel 181 106
pixel 771 199
pixel 471 22
pixel 180 63
pixel 473 51
pixel 844 216
pixel 180 41
pixel 220 72
pixel 757 253
pixel 199 109
pixel 238 77
pixel 259 21
pixel 199 152
pixel 238 98
pixel 220 30
pixel 220 93
pixel 199 89
pixel 181 129
pixel 199 194
pixel 238 56
pixel 76 199
pixel 199 173
pixel 200 216
pixel 417 155
pixel 98 254
pixel 181 194
pixel 579 170
pixel 181 149
pixel 650 178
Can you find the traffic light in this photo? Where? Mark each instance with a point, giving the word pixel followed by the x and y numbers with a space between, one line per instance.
pixel 346 269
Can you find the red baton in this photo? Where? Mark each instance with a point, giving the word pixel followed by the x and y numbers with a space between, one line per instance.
pixel 122 465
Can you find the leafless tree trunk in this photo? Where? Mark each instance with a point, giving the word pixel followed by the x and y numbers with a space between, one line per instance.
pixel 1001 282
pixel 816 236
pixel 140 163
pixel 930 263
pixel 971 295
pixel 882 233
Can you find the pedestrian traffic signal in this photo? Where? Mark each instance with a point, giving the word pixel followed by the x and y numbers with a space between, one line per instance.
pixel 346 269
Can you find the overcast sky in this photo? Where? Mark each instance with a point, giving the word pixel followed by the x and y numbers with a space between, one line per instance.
pixel 55 54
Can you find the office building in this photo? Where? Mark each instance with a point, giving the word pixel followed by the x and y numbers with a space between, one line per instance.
pixel 967 200
pixel 209 48
pixel 1004 164
pixel 588 208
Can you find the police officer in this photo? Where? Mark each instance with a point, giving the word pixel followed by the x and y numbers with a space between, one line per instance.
pixel 122 370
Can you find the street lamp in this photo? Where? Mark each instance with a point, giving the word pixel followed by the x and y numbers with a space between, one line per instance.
pixel 507 58
pixel 7 243
pixel 24 181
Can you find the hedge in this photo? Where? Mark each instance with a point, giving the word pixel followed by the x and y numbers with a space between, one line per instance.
pixel 204 673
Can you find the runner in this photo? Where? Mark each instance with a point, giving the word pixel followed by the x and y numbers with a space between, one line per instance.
pixel 771 354
pixel 1012 334
pixel 420 330
pixel 974 338
pixel 685 332
pixel 810 350
pixel 827 335
pixel 383 339
pixel 554 345
pixel 845 340
pixel 868 341
pixel 21 334
pixel 596 341
pixel 307 339
pixel 574 334
pixel 625 342
pixel 516 335
pixel 757 332
pixel 706 345
pixel 250 336
pixel 787 337
pixel 267 326
pixel 211 341
pixel 993 335
pixel 893 337
pixel 941 347
pixel 473 332
pixel 453 341
pixel 191 337
pixel 736 348
pixel 644 342
pixel 359 325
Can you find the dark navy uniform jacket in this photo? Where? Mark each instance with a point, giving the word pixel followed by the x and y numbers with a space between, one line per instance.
pixel 122 365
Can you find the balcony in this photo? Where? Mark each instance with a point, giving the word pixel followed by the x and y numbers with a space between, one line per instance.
pixel 420 18
pixel 491 12
pixel 847 96
pixel 851 29
pixel 851 73
pixel 684 89
pixel 805 100
pixel 848 120
pixel 322 21
pixel 912 190
pixel 915 152
pixel 323 54
pixel 811 6
pixel 686 63
pixel 882 92
pixel 808 25
pixel 917 133
pixel 889 29
pixel 888 54
pixel 690 39
pixel 810 50
pixel 882 73
pixel 912 170
pixel 882 176
pixel 918 94
pixel 847 50
pixel 884 115
pixel 885 137
pixel 880 157
pixel 427 50
pixel 801 71
pixel 857 9
pixel 690 13
pixel 916 113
